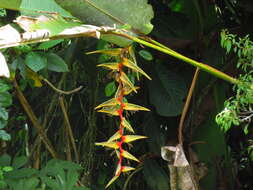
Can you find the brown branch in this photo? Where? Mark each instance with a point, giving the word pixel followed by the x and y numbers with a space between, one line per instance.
pixel 186 106
pixel 68 127
pixel 26 106
pixel 61 91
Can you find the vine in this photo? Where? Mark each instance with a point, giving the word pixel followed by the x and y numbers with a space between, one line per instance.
pixel 118 105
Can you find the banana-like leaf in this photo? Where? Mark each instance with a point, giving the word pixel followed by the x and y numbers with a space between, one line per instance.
pixel 108 144
pixel 127 155
pixel 128 63
pixel 126 81
pixel 127 168
pixel 114 137
pixel 131 138
pixel 108 103
pixel 111 52
pixel 113 66
pixel 133 107
pixel 111 181
pixel 4 70
pixel 110 12
pixel 127 125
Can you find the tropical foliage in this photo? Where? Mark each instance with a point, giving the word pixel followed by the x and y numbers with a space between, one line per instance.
pixel 69 76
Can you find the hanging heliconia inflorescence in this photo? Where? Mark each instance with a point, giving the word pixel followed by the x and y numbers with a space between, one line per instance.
pixel 117 105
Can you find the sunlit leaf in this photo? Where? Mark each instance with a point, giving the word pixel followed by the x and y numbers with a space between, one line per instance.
pixel 114 137
pixel 130 138
pixel 112 66
pixel 129 156
pixel 108 103
pixel 126 81
pixel 127 168
pixel 4 70
pixel 133 107
pixel 112 52
pixel 127 125
pixel 111 181
pixel 34 77
pixel 110 13
pixel 108 144
pixel 134 67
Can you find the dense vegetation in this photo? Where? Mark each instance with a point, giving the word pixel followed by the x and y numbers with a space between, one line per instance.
pixel 186 65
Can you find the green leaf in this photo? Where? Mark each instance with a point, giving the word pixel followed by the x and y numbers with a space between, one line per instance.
pixel 21 173
pixel 110 88
pixel 167 91
pixel 35 61
pixel 4 87
pixel 107 13
pixel 31 183
pixel 56 63
pixel 49 44
pixel 155 176
pixel 146 55
pixel 19 162
pixel 5 160
pixel 4 136
pixel 10 4
pixel 3 113
pixel 30 6
pixel 3 123
pixel 137 14
pixel 5 99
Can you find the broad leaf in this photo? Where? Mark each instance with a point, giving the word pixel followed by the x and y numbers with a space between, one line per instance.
pixel 110 12
pixel 167 91
pixel 4 70
pixel 5 99
pixel 4 136
pixel 107 13
pixel 35 61
pixel 19 162
pixel 155 176
pixel 56 63
pixel 3 113
pixel 30 7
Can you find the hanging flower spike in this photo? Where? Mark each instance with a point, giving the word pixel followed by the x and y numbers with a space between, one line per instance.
pixel 116 106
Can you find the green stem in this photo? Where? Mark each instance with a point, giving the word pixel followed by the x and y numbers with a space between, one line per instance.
pixel 168 51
